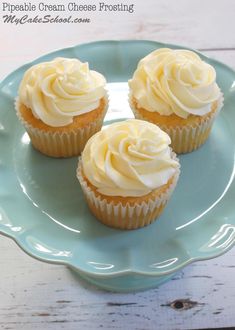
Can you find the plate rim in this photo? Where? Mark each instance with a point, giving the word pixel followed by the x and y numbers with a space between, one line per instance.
pixel 126 272
pixel 4 231
pixel 85 44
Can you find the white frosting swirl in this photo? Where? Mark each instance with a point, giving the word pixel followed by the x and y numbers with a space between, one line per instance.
pixel 128 158
pixel 177 81
pixel 57 91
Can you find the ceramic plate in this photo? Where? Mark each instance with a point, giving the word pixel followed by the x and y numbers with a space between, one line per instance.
pixel 42 207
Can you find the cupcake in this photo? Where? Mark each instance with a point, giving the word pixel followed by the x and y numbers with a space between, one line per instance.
pixel 177 91
pixel 127 173
pixel 61 104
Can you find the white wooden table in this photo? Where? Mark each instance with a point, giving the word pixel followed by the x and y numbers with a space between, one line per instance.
pixel 35 295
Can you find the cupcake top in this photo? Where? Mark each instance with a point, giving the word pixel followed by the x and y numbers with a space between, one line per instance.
pixel 178 82
pixel 58 90
pixel 128 158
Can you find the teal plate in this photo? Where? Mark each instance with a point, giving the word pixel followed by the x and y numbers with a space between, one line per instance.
pixel 42 207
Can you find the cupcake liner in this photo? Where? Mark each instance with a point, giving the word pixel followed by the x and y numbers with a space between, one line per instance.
pixel 61 144
pixel 185 138
pixel 128 215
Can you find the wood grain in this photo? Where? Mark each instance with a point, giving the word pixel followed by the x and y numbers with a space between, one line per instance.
pixel 36 295
pixel 202 25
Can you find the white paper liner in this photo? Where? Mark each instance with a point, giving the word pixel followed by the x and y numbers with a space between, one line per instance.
pixel 185 138
pixel 126 216
pixel 61 144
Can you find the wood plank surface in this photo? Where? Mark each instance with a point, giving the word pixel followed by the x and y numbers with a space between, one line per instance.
pixel 36 295
pixel 198 24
